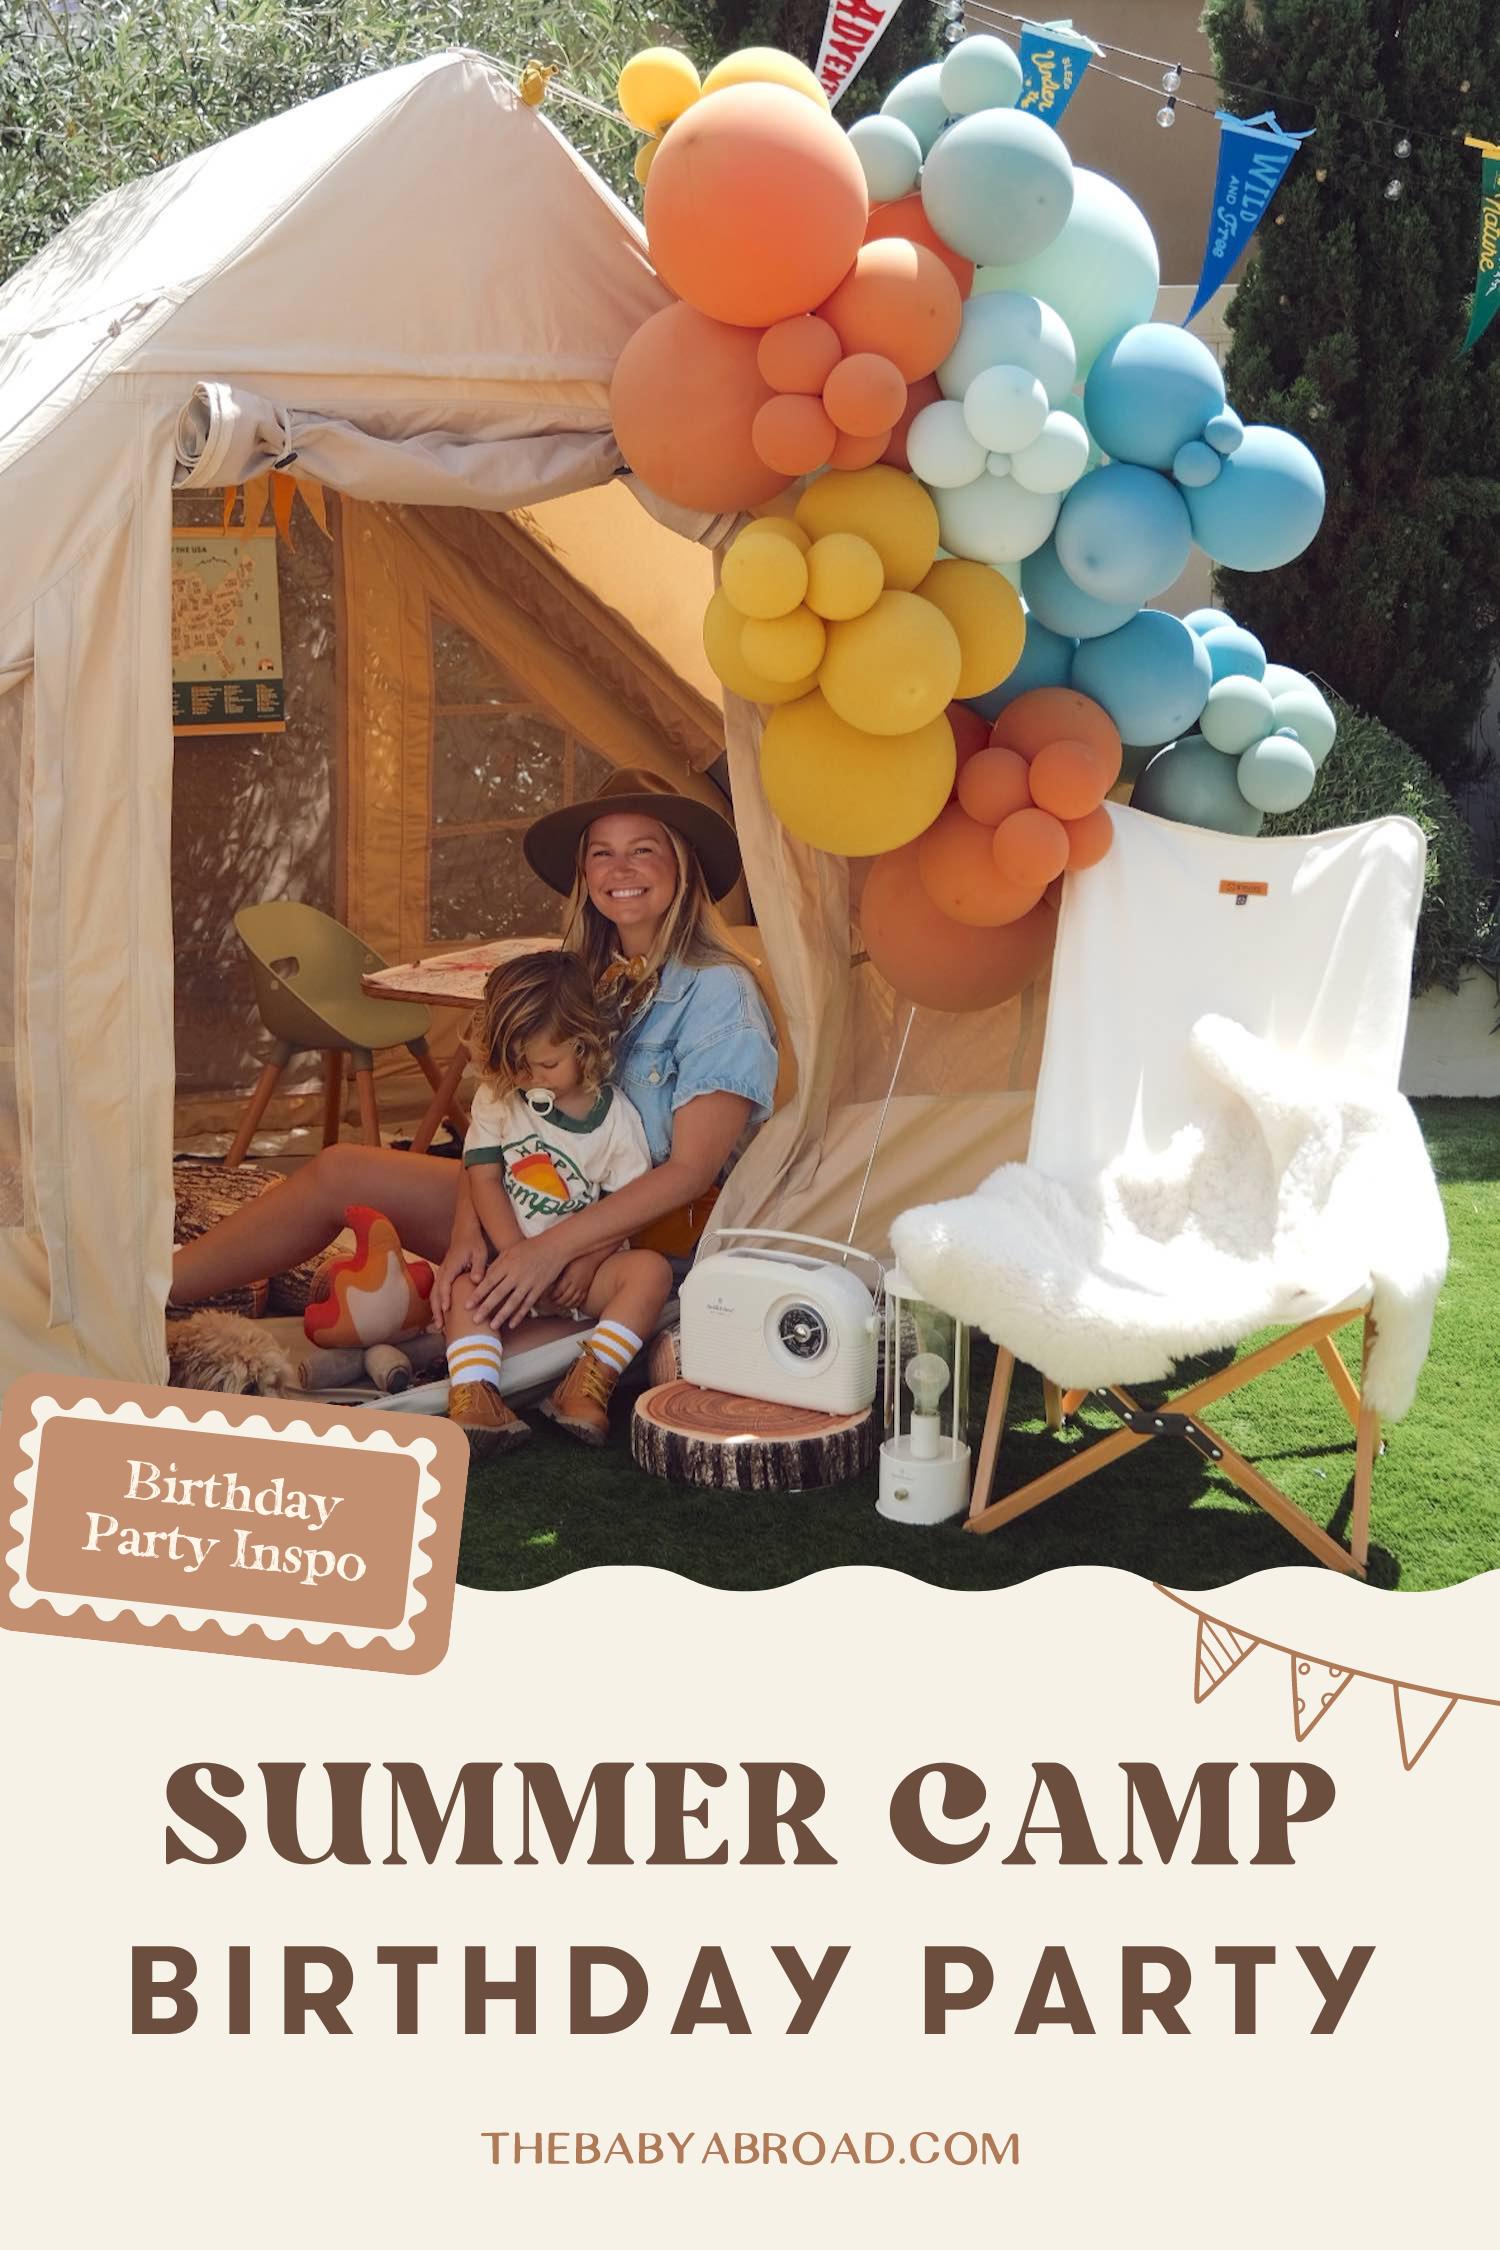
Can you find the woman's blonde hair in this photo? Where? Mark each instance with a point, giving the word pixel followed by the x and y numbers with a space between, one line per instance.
pixel 693 931
pixel 540 996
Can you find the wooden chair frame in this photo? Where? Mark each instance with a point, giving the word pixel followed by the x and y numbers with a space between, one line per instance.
pixel 1181 1418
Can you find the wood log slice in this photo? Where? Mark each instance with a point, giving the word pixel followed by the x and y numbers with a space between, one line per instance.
pixel 729 1444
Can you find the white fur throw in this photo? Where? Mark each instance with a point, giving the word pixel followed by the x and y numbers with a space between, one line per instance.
pixel 1291 1195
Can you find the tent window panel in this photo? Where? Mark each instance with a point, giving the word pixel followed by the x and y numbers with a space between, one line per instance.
pixel 465 672
pixel 13 742
pixel 481 887
pixel 504 767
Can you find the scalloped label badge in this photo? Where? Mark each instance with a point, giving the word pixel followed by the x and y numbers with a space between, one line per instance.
pixel 244 1526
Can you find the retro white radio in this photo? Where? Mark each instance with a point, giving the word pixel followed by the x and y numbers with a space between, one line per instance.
pixel 775 1323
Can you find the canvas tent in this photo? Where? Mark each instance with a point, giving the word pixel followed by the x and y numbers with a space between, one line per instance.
pixel 420 290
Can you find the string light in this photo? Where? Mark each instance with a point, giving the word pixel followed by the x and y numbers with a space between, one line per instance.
pixel 1171 80
pixel 1392 190
pixel 1403 147
pixel 1167 114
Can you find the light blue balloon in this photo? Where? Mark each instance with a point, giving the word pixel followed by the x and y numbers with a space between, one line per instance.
pixel 1000 185
pixel 1305 713
pixel 1234 653
pixel 1225 432
pixel 1101 273
pixel 1151 390
pixel 890 156
pixel 1063 607
pixel 1238 712
pixel 1276 775
pixel 1264 508
pixel 1007 329
pixel 1124 534
pixel 1046 659
pixel 980 73
pixel 1202 621
pixel 917 100
pixel 1190 782
pixel 1152 677
pixel 1195 463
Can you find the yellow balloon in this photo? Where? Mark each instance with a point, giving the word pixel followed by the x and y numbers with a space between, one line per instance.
pixel 784 648
pixel 763 66
pixel 722 628
pixel 764 576
pixel 895 668
pixel 781 527
pixel 985 612
pixel 645 157
pixel 886 507
pixel 844 575
pixel 845 791
pixel 655 87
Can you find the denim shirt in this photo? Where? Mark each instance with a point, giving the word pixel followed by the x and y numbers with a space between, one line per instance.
pixel 705 1031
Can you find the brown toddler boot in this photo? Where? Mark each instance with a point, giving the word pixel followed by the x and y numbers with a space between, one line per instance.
pixel 482 1414
pixel 580 1403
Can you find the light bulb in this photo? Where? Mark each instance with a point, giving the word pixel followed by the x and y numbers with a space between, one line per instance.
pixel 1403 147
pixel 927 1379
pixel 1167 114
pixel 1171 80
pixel 1392 190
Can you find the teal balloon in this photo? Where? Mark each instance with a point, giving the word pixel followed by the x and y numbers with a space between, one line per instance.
pixel 1191 783
pixel 1277 775
pixel 1307 714
pixel 1265 506
pixel 1224 431
pixel 1124 533
pixel 980 73
pixel 1233 652
pixel 1238 712
pixel 1046 660
pixel 1101 273
pixel 890 156
pixel 1151 390
pixel 999 184
pixel 1195 463
pixel 1204 620
pixel 1152 677
pixel 917 100
pixel 1064 607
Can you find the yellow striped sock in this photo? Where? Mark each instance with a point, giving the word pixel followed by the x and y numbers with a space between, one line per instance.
pixel 614 1344
pixel 475 1359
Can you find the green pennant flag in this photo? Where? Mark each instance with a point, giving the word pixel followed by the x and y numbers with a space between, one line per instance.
pixel 1487 283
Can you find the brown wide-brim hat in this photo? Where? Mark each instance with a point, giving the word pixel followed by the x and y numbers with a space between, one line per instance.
pixel 551 843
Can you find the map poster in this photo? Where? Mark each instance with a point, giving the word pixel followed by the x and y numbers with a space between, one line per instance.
pixel 226 633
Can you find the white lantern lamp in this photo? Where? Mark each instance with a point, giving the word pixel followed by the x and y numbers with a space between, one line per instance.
pixel 924 1461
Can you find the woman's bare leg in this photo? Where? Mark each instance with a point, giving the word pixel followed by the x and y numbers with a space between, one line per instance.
pixel 417 1194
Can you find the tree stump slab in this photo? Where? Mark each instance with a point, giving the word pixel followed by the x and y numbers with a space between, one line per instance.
pixel 727 1444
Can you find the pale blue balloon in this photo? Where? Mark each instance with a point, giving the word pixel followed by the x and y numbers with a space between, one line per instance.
pixel 980 73
pixel 1238 712
pixel 1224 431
pixel 1276 775
pixel 890 156
pixel 993 520
pixel 1265 506
pixel 1046 659
pixel 1233 652
pixel 1195 463
pixel 917 100
pixel 1063 607
pixel 1204 620
pixel 1101 273
pixel 1190 782
pixel 1000 185
pixel 1151 390
pixel 1306 713
pixel 1152 677
pixel 1007 329
pixel 1124 534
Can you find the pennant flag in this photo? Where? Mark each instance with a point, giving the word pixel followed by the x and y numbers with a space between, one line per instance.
pixel 1419 1714
pixel 1315 1689
pixel 1487 282
pixel 1220 1649
pixel 849 40
pixel 1054 58
pixel 1253 155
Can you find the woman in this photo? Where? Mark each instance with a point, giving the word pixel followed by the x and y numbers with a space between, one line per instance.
pixel 642 869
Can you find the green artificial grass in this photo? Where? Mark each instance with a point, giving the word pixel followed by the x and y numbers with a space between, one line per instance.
pixel 1435 1517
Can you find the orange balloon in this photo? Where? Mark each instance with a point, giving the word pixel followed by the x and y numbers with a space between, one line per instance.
pixel 937 963
pixel 857 452
pixel 925 391
pixel 864 396
pixel 799 354
pixel 993 785
pixel 971 733
pixel 755 206
pixel 793 434
pixel 1067 780
pixel 1058 714
pixel 956 861
pixel 1030 848
pixel 1089 839
pixel 907 218
pixel 900 301
pixel 684 397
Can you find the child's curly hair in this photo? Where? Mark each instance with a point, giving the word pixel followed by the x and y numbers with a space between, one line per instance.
pixel 536 996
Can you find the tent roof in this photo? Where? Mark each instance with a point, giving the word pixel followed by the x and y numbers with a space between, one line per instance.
pixel 419 234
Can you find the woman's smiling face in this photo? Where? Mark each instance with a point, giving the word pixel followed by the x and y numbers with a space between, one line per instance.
pixel 631 870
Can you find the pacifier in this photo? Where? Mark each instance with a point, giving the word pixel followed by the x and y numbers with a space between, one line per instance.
pixel 540 1100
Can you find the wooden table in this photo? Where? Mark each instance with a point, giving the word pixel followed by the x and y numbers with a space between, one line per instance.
pixel 448 980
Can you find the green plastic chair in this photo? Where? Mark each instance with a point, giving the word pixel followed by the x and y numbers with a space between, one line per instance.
pixel 306 969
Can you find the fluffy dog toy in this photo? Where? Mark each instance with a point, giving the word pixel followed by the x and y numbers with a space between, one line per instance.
pixel 373 1297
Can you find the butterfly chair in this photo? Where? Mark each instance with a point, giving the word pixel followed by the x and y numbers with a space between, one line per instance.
pixel 1218 1147
pixel 306 969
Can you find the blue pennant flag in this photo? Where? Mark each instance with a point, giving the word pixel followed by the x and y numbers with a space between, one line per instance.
pixel 1253 154
pixel 1054 58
